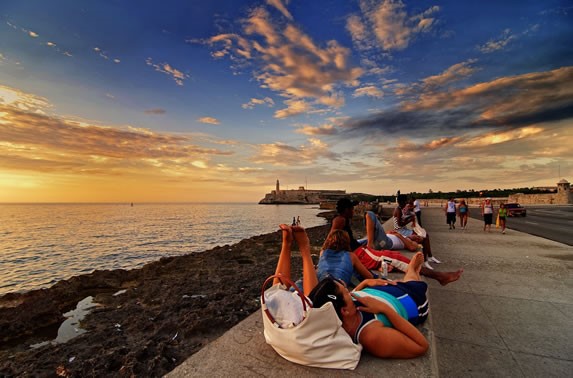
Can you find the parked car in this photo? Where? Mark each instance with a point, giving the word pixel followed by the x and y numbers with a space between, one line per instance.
pixel 515 209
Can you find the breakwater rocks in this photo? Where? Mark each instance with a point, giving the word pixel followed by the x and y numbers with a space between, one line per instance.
pixel 148 320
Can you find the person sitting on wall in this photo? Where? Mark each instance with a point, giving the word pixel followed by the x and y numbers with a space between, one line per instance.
pixel 402 217
pixel 337 260
pixel 378 239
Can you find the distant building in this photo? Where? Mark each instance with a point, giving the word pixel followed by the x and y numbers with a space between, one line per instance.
pixel 564 196
pixel 546 188
pixel 300 196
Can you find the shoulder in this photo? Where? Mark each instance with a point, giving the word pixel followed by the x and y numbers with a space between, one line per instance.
pixel 338 223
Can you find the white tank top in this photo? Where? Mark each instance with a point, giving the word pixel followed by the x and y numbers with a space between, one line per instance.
pixel 451 207
pixel 396 241
pixel 488 209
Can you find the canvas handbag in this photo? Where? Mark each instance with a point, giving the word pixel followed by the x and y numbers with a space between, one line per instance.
pixel 319 340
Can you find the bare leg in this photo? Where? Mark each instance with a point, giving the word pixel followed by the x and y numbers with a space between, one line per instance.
pixel 413 273
pixel 309 278
pixel 283 266
pixel 425 244
pixel 427 248
pixel 443 278
pixel 370 231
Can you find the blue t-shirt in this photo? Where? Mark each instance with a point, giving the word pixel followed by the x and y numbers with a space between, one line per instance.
pixel 337 264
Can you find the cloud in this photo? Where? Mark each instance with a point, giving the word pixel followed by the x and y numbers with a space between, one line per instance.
pixel 504 103
pixel 317 130
pixel 387 25
pixel 281 7
pixel 500 137
pixel 369 90
pixel 210 120
pixel 155 111
pixel 166 68
pixel 497 44
pixel 454 73
pixel 288 62
pixel 256 101
pixel 36 35
pixel 32 139
pixel 295 107
pixel 281 154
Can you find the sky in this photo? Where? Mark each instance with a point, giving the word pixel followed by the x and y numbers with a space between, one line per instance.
pixel 213 101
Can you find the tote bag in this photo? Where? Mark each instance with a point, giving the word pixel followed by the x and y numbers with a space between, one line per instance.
pixel 318 340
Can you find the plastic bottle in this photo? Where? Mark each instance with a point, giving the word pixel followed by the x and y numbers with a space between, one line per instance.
pixel 384 269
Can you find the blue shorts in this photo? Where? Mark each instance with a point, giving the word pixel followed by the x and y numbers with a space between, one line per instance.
pixel 381 241
pixel 405 232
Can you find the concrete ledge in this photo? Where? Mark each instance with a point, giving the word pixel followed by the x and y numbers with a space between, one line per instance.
pixel 242 351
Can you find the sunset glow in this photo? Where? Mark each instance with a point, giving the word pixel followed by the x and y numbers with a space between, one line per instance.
pixel 213 101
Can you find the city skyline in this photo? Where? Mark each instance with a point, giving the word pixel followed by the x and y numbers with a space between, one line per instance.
pixel 212 101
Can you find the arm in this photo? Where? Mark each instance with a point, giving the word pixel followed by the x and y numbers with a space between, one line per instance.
pixel 338 223
pixel 398 215
pixel 370 230
pixel 409 244
pixel 402 341
pixel 373 282
pixel 359 267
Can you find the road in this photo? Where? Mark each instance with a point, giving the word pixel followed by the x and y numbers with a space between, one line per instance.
pixel 550 222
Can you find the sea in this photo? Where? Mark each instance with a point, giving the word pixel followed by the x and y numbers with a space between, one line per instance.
pixel 41 244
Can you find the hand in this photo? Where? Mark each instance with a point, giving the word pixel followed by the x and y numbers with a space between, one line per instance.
pixel 373 282
pixel 371 305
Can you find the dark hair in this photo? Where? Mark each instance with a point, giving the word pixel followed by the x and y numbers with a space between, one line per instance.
pixel 402 198
pixel 345 203
pixel 327 291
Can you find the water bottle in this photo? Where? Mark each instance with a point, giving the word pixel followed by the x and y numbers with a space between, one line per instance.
pixel 384 269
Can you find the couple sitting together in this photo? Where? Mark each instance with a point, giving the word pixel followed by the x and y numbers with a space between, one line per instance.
pixel 379 314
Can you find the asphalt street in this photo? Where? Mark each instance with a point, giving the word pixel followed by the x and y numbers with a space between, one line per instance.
pixel 550 222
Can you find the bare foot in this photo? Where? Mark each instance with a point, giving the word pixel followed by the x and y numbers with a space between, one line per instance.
pixel 448 277
pixel 301 238
pixel 416 262
pixel 287 233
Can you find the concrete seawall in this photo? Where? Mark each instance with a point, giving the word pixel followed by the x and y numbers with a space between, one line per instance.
pixel 508 316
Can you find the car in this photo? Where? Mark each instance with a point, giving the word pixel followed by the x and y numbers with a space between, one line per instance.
pixel 515 209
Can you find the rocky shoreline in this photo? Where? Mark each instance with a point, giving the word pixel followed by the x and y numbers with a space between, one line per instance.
pixel 147 320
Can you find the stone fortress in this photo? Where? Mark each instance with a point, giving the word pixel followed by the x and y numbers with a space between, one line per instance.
pixel 300 196
pixel 563 196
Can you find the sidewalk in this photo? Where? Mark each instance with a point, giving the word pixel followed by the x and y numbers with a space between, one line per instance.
pixel 506 317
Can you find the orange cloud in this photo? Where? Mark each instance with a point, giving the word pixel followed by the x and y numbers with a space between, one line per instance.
pixel 167 69
pixel 320 130
pixel 280 154
pixel 291 64
pixel 209 120
pixel 389 24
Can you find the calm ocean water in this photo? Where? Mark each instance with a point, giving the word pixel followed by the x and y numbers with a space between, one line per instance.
pixel 41 244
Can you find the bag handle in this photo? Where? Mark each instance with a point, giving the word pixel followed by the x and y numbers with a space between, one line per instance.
pixel 287 282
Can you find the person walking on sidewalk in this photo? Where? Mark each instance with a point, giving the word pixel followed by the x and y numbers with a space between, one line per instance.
pixel 450 210
pixel 487 213
pixel 502 215
pixel 463 213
